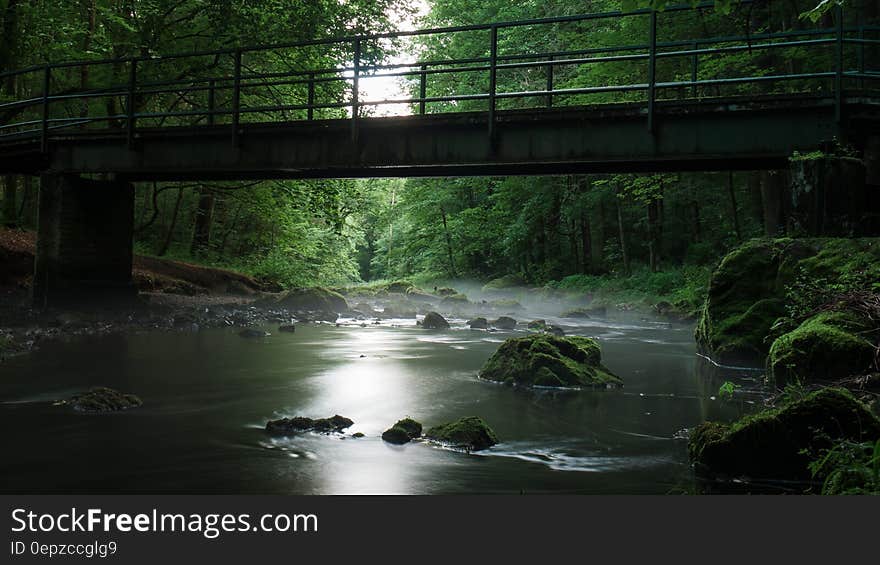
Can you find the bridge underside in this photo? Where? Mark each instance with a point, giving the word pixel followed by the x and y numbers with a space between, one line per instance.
pixel 719 135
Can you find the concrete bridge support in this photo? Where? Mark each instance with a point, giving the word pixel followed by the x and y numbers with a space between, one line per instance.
pixel 84 242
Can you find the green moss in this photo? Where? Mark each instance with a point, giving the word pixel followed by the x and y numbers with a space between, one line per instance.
pixel 780 443
pixel 314 299
pixel 412 427
pixel 547 360
pixel 503 283
pixel 103 399
pixel 466 433
pixel 748 291
pixel 457 299
pixel 396 435
pixel 827 346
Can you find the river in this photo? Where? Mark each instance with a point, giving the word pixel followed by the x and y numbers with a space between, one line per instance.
pixel 208 394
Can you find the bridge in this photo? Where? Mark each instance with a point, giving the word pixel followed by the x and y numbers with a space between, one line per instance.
pixel 221 115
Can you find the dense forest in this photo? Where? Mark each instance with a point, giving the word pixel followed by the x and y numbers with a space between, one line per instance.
pixel 565 230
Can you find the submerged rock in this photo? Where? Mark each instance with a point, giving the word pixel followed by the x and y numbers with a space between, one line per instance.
pixel 251 333
pixel 434 321
pixel 504 323
pixel 470 433
pixel 478 324
pixel 547 360
pixel 102 399
pixel 297 424
pixel 779 444
pixel 403 431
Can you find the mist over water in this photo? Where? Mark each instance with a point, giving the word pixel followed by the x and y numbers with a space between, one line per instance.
pixel 208 394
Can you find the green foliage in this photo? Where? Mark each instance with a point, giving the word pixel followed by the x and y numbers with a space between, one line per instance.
pixel 849 467
pixel 727 390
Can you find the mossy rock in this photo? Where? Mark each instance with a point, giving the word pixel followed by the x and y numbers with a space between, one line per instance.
pixel 478 324
pixel 400 287
pixel 828 346
pixel 547 360
pixel 504 323
pixel 446 291
pixel 470 433
pixel 313 299
pixel 457 299
pixel 576 313
pixel 506 305
pixel 779 443
pixel 286 426
pixel 400 309
pixel 434 321
pixel 747 291
pixel 403 431
pixel 102 399
pixel 504 283
pixel 537 324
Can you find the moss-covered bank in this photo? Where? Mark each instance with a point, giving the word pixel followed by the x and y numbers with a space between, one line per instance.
pixel 547 360
pixel 780 443
pixel 750 289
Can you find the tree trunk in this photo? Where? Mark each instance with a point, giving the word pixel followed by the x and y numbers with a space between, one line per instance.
pixel 169 235
pixel 87 45
pixel 204 218
pixel 586 244
pixel 620 231
pixel 771 199
pixel 733 206
pixel 653 235
pixel 10 210
pixel 448 243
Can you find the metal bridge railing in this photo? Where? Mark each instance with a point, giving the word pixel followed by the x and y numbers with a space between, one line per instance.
pixel 228 87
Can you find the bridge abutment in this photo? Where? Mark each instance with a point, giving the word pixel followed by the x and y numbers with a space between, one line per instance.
pixel 84 241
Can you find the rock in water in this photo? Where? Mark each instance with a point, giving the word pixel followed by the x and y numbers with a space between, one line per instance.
pixel 286 426
pixel 403 431
pixel 434 321
pixel 102 399
pixel 478 324
pixel 251 333
pixel 470 433
pixel 576 313
pixel 315 303
pixel 555 330
pixel 547 360
pixel 287 328
pixel 504 323
pixel 537 325
pixel 781 442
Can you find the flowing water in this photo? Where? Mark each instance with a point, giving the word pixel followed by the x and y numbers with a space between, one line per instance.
pixel 208 394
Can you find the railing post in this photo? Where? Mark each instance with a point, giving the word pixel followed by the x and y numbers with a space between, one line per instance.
pixel 694 63
pixel 132 87
pixel 838 66
pixel 355 89
pixel 211 102
pixel 236 98
pixel 652 70
pixel 44 135
pixel 493 79
pixel 311 109
pixel 550 83
pixel 423 89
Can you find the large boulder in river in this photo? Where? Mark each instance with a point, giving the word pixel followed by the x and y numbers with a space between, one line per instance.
pixel 478 324
pixel 324 303
pixel 470 433
pixel 779 443
pixel 434 321
pixel 286 426
pixel 403 431
pixel 828 346
pixel 102 399
pixel 547 360
pixel 750 289
pixel 504 323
